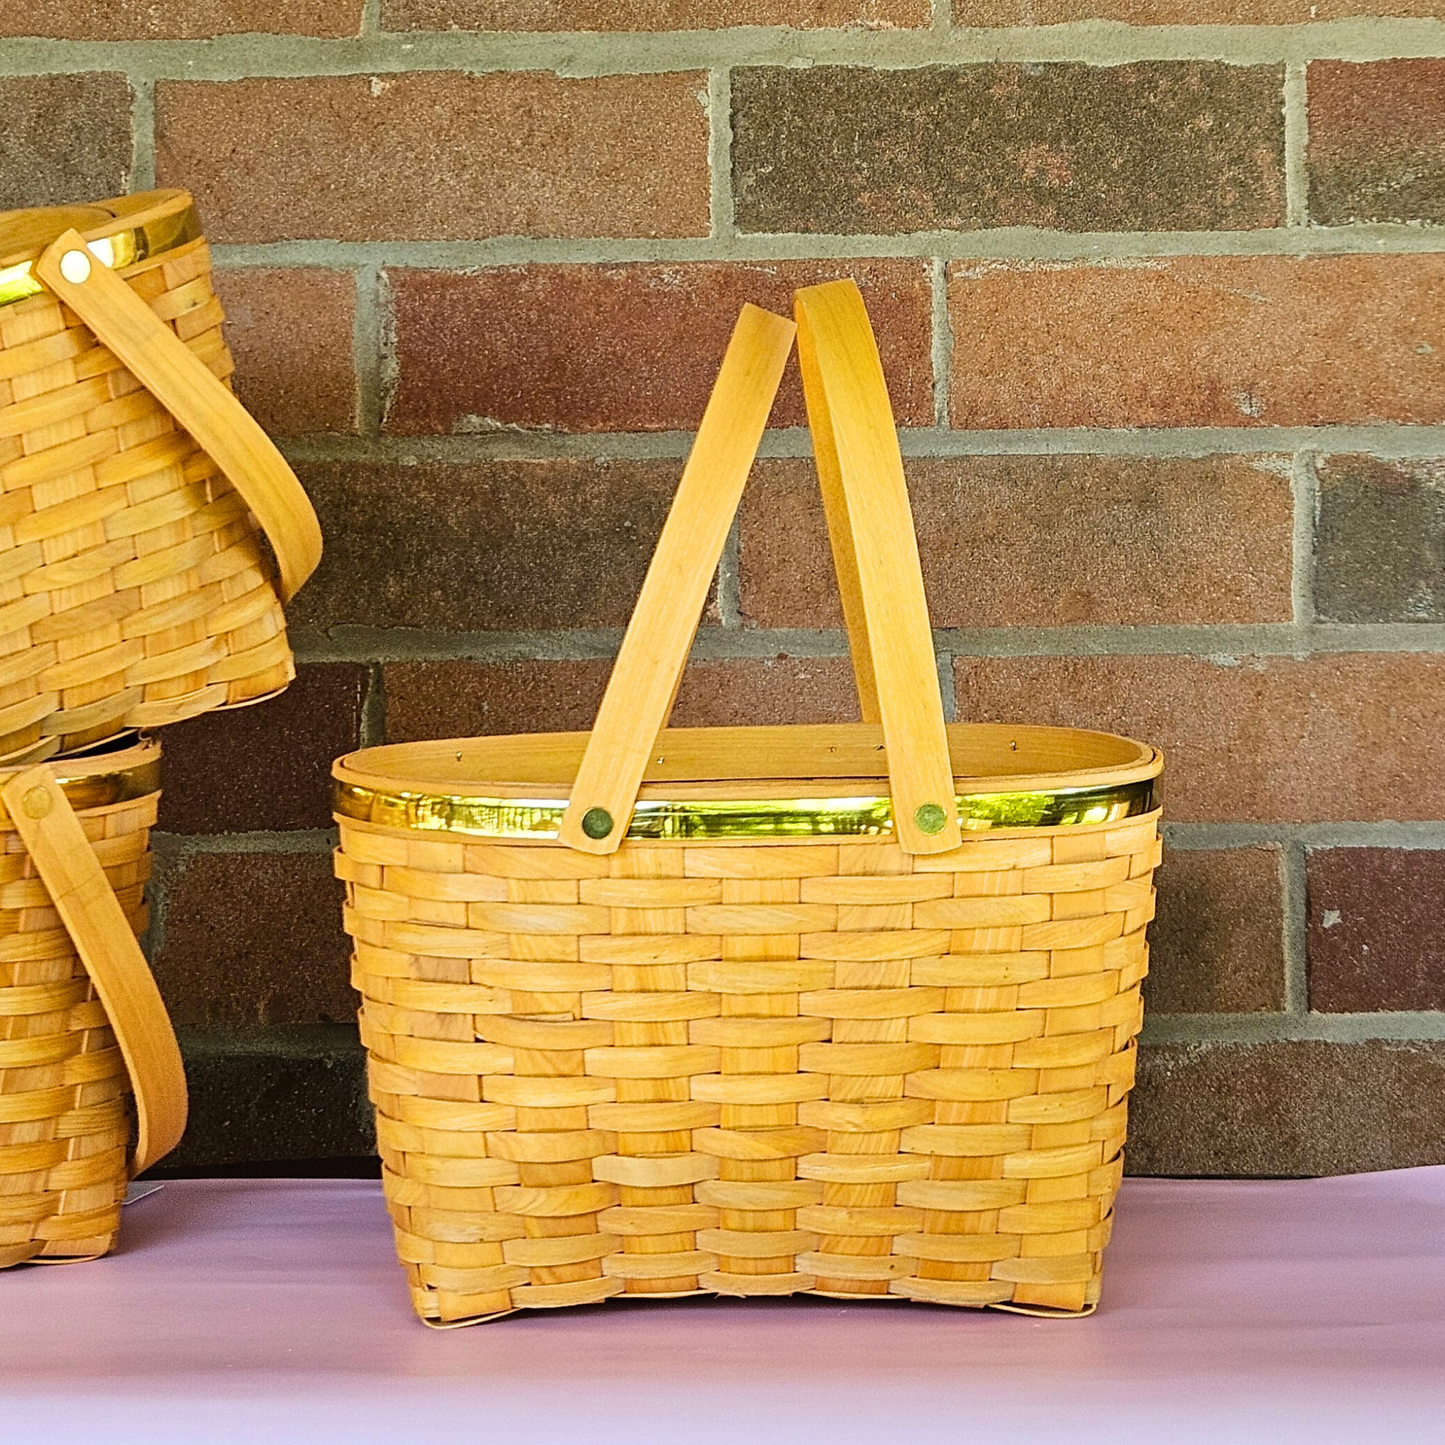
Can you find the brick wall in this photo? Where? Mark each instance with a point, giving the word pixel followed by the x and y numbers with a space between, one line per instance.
pixel 1163 312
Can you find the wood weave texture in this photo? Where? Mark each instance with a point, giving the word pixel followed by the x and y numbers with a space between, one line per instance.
pixel 64 1091
pixel 135 588
pixel 750 1069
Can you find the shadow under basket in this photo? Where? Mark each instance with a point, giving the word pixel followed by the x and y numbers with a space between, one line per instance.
pixel 844 1010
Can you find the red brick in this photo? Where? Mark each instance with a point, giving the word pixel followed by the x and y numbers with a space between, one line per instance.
pixel 1199 341
pixel 290 332
pixel 1217 942
pixel 1149 540
pixel 1287 1109
pixel 179 19
pixel 621 348
pixel 649 14
pixel 461 699
pixel 1155 146
pixel 268 766
pixel 253 938
pixel 1185 12
pixel 498 545
pixel 67 138
pixel 1377 141
pixel 439 155
pixel 1334 736
pixel 1374 929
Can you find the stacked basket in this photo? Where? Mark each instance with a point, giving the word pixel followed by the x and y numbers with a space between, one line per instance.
pixel 847 1010
pixel 135 590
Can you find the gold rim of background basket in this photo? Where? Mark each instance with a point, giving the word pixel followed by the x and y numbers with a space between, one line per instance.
pixel 105 779
pixel 704 783
pixel 120 232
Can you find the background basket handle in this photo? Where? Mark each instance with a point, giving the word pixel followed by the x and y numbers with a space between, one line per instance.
pixel 177 378
pixel 649 666
pixel 875 552
pixel 98 927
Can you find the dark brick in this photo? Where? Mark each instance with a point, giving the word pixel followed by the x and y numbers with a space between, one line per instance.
pixel 266 766
pixel 1216 945
pixel 1333 736
pixel 507 545
pixel 1147 147
pixel 1380 540
pixel 179 19
pixel 461 699
pixel 438 155
pixel 1150 540
pixel 277 1094
pixel 622 348
pixel 1287 1109
pixel 1377 141
pixel 1199 341
pixel 290 332
pixel 252 938
pixel 648 14
pixel 1375 919
pixel 67 138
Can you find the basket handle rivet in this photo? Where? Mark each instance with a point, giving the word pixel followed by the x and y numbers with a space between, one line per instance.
pixel 75 267
pixel 929 818
pixel 597 822
pixel 37 802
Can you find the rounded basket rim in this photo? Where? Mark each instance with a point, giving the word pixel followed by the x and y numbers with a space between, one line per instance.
pixel 749 784
pixel 125 231
pixel 103 779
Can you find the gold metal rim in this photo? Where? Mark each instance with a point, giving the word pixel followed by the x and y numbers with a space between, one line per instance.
pixel 760 820
pixel 118 248
pixel 101 782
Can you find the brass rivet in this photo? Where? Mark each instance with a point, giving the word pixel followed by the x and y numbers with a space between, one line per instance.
pixel 75 267
pixel 597 822
pixel 930 818
pixel 37 802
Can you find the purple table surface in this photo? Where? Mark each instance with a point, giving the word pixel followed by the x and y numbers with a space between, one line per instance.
pixel 275 1311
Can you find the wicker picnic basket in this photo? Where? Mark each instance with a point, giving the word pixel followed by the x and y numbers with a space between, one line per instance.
pixel 847 1010
pixel 135 588
pixel 82 1026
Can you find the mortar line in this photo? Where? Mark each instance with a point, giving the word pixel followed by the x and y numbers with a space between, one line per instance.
pixel 1304 498
pixel 383 321
pixel 366 350
pixel 301 1041
pixel 1296 145
pixel 1294 925
pixel 942 340
pixel 940 19
pixel 142 134
pixel 943 661
pixel 1219 645
pixel 729 578
pixel 178 847
pixel 370 18
pixel 719 153
pixel 1018 244
pixel 1416 837
pixel 1422 1027
pixel 372 729
pixel 578 53
pixel 518 444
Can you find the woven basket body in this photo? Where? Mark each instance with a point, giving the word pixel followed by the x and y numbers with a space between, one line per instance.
pixel 135 587
pixel 64 1088
pixel 747 1068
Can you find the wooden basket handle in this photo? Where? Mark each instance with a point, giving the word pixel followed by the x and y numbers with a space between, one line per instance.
pixel 98 927
pixel 875 553
pixel 864 493
pixel 173 374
